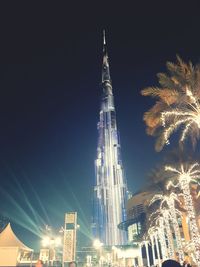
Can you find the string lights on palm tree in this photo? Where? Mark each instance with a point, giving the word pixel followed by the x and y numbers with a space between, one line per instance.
pixel 184 175
pixel 169 200
pixel 178 104
pixel 162 219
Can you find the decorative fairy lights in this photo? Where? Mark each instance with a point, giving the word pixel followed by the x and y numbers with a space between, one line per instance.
pixel 161 234
pixel 166 215
pixel 187 115
pixel 170 201
pixel 153 235
pixel 159 229
pixel 165 234
pixel 185 175
pixel 173 212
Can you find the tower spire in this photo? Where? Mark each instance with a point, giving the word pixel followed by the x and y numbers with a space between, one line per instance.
pixel 105 66
pixel 104 37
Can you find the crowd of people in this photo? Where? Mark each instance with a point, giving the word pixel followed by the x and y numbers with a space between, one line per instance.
pixel 40 264
pixel 167 263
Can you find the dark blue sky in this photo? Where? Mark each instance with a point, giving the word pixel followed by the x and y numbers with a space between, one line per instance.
pixel 50 73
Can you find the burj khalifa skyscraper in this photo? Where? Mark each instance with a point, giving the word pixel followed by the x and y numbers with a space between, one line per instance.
pixel 110 189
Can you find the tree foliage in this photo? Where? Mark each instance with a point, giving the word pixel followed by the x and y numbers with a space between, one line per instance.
pixel 177 104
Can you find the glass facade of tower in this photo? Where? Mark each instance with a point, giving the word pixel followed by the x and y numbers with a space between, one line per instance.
pixel 110 190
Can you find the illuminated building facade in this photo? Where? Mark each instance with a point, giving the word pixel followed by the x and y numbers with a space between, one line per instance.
pixel 110 190
pixel 137 209
pixel 136 226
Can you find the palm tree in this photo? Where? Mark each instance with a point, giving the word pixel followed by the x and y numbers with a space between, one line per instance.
pixel 158 221
pixel 167 219
pixel 178 104
pixel 170 200
pixel 185 175
pixel 153 235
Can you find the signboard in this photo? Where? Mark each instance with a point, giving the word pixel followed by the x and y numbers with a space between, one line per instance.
pixel 69 241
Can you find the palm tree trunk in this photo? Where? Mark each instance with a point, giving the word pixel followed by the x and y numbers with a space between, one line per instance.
pixel 161 233
pixel 152 248
pixel 157 249
pixel 194 232
pixel 176 230
pixel 169 238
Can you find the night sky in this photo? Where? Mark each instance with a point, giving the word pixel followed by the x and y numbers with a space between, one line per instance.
pixel 50 74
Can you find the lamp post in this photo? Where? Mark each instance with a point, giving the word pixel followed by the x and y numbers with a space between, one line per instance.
pixel 89 261
pixel 114 255
pixel 98 246
pixel 51 243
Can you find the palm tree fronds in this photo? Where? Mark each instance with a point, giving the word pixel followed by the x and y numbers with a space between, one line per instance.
pixel 178 105
pixel 159 144
pixel 151 91
pixel 167 95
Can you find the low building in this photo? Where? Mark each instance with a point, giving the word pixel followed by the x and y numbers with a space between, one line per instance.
pixel 136 224
pixel 137 209
pixel 12 251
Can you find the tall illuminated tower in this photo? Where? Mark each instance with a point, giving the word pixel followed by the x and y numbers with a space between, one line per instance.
pixel 110 190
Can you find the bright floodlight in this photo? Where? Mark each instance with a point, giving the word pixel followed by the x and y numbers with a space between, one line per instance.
pixel 97 244
pixel 57 241
pixel 45 241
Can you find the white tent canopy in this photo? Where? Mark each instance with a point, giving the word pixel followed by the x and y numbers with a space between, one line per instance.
pixel 11 248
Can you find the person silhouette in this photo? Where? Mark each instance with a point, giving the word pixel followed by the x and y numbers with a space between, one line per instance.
pixel 72 264
pixel 39 263
pixel 171 263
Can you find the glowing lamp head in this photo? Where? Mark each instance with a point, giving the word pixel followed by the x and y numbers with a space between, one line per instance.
pixel 58 241
pixel 97 244
pixel 46 241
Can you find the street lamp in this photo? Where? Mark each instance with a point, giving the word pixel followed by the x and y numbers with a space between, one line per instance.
pixel 51 242
pixel 98 246
pixel 89 261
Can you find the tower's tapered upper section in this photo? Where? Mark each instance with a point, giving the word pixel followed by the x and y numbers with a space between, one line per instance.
pixel 106 80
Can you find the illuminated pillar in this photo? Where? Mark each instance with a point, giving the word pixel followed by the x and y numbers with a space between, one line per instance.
pixel 140 259
pixel 146 243
pixel 69 239
pixel 157 249
pixel 152 248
